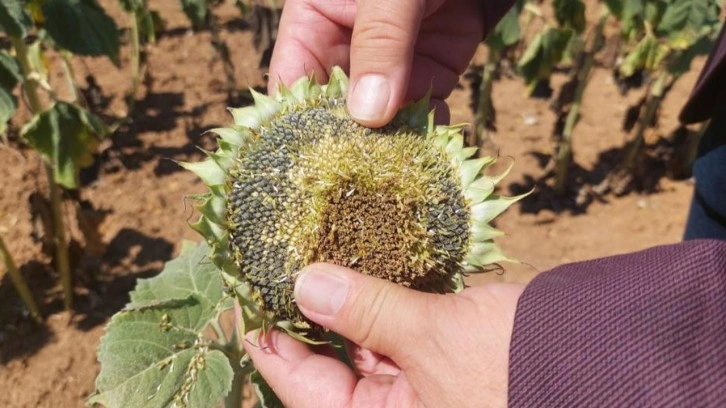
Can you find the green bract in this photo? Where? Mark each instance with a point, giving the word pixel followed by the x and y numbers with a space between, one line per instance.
pixel 295 181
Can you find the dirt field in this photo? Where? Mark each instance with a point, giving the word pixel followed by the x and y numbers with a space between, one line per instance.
pixel 140 192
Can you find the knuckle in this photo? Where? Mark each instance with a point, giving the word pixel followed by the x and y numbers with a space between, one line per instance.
pixel 383 31
pixel 371 319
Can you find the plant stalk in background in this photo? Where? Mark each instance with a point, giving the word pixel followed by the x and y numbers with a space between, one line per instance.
pixel 63 268
pixel 20 284
pixel 563 157
pixel 506 34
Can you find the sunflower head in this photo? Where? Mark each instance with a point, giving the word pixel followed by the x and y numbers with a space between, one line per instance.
pixel 295 181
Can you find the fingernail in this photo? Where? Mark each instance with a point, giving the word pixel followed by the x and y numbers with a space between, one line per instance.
pixel 369 98
pixel 255 338
pixel 265 341
pixel 320 291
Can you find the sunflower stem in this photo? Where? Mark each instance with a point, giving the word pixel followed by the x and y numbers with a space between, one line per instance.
pixel 20 284
pixel 564 150
pixel 236 394
pixel 223 52
pixel 61 244
pixel 221 337
pixel 655 97
pixel 484 108
pixel 30 87
pixel 135 63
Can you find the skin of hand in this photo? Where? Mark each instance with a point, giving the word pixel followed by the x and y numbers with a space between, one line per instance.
pixel 394 50
pixel 410 349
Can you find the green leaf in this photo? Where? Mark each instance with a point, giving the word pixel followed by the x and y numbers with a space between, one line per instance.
pixel 191 274
pixel 615 7
pixel 507 31
pixel 570 14
pixel 66 136
pixel 196 11
pixel 154 353
pixel 543 54
pixel 633 9
pixel 635 59
pixel 685 19
pixel 681 63
pixel 654 10
pixel 38 61
pixel 9 78
pixel 150 23
pixel 14 20
pixel 632 16
pixel 648 54
pixel 243 7
pixel 93 32
pixel 574 46
pixel 9 70
pixel 156 356
pixel 657 57
pixel 8 106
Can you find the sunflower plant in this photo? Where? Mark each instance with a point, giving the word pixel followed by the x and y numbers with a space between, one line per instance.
pixel 294 181
pixel 62 131
pixel 663 37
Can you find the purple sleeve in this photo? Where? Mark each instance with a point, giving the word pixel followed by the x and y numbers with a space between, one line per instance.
pixel 646 329
pixel 707 97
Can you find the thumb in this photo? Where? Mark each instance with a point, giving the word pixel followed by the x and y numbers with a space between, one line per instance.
pixel 382 45
pixel 373 313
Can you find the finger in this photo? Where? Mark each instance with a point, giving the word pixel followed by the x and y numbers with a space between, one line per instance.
pixel 373 313
pixel 301 50
pixel 443 51
pixel 369 363
pixel 442 115
pixel 293 370
pixel 453 44
pixel 381 55
pixel 429 75
pixel 326 350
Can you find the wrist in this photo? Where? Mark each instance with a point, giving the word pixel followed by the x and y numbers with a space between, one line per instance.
pixel 497 306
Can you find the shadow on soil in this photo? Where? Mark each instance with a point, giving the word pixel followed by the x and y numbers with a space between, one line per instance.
pixel 232 25
pixel 158 113
pixel 129 256
pixel 20 335
pixel 665 158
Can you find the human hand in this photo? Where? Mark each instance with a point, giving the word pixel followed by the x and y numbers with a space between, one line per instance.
pixel 411 348
pixel 395 50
